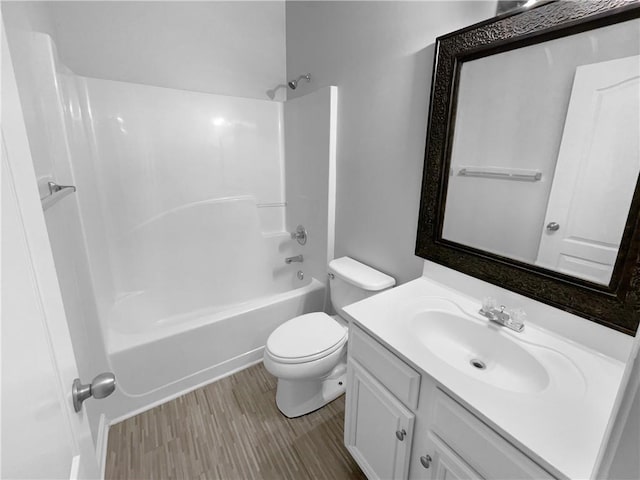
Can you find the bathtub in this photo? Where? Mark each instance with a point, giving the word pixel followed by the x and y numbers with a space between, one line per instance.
pixel 157 358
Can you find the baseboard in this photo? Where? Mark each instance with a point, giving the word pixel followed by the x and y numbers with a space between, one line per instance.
pixel 101 447
pixel 240 363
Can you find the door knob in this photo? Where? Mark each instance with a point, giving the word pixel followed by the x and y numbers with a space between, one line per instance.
pixel 101 386
pixel 400 434
pixel 553 226
pixel 426 460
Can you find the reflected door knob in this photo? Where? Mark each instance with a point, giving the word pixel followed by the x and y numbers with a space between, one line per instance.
pixel 100 387
pixel 553 226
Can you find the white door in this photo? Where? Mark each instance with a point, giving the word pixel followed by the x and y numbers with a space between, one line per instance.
pixel 378 427
pixel 596 173
pixel 42 435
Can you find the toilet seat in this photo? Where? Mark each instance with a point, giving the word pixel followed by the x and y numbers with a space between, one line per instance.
pixel 306 338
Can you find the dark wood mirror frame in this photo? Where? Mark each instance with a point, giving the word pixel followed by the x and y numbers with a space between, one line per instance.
pixel 616 305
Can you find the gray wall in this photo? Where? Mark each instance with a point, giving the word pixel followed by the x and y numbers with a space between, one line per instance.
pixel 230 48
pixel 28 16
pixel 380 55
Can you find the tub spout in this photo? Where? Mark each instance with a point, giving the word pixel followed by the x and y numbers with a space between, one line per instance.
pixel 297 258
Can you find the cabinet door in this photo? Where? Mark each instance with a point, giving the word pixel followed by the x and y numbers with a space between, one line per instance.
pixel 378 428
pixel 481 447
pixel 444 464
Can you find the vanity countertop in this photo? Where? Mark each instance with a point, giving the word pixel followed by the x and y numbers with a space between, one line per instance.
pixel 561 424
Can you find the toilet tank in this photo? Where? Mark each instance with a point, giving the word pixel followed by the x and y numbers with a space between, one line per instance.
pixel 351 281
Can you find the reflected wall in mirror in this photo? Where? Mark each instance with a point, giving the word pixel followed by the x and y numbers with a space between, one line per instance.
pixel 545 155
pixel 533 157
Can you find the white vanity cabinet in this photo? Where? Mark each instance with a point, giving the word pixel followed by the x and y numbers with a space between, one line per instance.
pixel 400 425
pixel 379 422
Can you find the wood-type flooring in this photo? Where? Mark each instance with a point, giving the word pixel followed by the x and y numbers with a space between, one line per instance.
pixel 231 429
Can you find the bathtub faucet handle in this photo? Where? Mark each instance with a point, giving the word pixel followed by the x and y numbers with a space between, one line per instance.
pixel 300 235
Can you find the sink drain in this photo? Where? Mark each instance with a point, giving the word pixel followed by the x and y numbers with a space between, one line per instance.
pixel 479 364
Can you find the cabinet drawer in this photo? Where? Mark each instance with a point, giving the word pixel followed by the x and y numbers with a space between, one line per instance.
pixel 399 378
pixel 482 448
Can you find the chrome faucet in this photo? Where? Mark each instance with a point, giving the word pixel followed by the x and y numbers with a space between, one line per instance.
pixel 513 320
pixel 297 258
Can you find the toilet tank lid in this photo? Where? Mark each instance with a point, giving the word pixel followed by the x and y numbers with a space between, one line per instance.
pixel 360 275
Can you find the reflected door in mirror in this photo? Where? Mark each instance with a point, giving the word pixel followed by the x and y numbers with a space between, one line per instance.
pixel 548 134
pixel 596 172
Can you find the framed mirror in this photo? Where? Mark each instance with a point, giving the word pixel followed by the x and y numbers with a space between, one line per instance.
pixel 532 160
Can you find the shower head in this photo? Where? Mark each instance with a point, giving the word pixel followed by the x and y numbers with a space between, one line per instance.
pixel 293 84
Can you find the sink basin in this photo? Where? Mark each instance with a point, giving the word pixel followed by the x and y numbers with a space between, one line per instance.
pixel 479 350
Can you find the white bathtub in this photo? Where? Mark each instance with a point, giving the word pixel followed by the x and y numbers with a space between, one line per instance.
pixel 157 358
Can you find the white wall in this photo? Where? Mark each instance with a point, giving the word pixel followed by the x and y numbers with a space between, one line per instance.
pixel 231 48
pixel 310 152
pixel 170 186
pixel 380 56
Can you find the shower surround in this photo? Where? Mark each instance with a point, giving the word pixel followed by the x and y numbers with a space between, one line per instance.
pixel 192 231
pixel 182 201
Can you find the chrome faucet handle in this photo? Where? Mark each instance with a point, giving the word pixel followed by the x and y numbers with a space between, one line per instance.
pixel 518 318
pixel 489 304
pixel 300 235
pixel 512 319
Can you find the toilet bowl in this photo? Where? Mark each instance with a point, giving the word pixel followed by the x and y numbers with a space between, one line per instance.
pixel 308 353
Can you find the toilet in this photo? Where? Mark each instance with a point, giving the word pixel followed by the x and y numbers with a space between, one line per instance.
pixel 308 354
